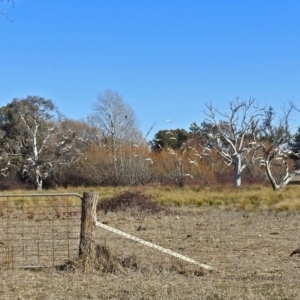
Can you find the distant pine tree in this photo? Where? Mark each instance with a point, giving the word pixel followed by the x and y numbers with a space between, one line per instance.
pixel 295 143
pixel 295 148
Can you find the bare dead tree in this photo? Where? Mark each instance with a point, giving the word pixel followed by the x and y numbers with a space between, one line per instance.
pixel 233 134
pixel 115 128
pixel 115 119
pixel 277 158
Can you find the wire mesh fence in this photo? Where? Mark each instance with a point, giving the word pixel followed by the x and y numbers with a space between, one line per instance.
pixel 38 230
pixel 249 251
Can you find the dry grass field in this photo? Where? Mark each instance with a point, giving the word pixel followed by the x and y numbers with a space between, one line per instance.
pixel 249 250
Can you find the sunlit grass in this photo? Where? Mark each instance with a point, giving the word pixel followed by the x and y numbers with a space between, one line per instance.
pixel 223 197
pixel 243 198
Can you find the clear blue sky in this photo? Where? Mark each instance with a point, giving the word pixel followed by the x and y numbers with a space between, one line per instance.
pixel 167 58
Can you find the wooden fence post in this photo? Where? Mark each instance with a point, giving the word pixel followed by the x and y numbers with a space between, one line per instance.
pixel 87 244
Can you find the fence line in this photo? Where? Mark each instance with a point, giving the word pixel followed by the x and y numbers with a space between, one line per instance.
pixel 38 244
pixel 39 233
pixel 159 248
pixel 40 195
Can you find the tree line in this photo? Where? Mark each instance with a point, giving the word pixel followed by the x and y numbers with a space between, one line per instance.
pixel 41 148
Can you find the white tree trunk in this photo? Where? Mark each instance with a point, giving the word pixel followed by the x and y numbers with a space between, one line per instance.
pixel 238 171
pixel 39 179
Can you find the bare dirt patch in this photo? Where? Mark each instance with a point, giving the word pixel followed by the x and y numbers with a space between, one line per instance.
pixel 250 254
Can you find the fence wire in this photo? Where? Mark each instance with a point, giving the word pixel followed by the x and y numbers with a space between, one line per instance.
pixel 38 230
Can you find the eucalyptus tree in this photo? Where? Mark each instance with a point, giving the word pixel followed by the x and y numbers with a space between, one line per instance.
pixel 32 139
pixel 279 151
pixel 233 134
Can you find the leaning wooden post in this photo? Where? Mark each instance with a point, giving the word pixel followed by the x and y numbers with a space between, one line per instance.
pixel 87 234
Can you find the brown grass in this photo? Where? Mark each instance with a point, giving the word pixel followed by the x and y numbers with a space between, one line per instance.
pixel 248 248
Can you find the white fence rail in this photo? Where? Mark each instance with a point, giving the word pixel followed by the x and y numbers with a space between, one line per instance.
pixel 159 248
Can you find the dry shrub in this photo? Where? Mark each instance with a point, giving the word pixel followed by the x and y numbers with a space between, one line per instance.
pixel 182 167
pixel 130 201
pixel 124 166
